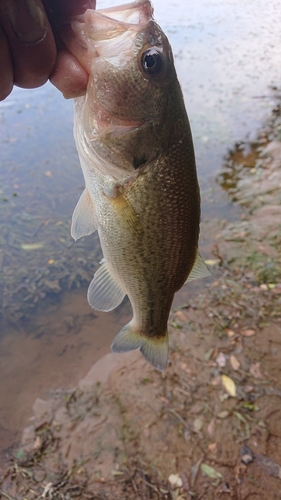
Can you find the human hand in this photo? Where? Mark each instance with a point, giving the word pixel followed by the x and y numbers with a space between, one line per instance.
pixel 31 50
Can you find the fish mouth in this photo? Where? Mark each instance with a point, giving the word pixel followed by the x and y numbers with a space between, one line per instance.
pixel 87 34
pixel 111 32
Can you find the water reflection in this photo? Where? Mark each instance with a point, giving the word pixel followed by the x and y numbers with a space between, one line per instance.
pixel 227 55
pixel 40 182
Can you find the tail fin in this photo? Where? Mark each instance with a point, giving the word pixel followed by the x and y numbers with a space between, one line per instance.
pixel 155 350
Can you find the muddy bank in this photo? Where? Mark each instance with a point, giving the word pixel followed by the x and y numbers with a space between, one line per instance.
pixel 209 427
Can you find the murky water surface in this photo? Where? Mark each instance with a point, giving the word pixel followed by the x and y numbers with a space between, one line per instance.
pixel 227 56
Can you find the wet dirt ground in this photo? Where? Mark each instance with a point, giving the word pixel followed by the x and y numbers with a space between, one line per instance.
pixel 210 426
pixel 226 77
pixel 59 347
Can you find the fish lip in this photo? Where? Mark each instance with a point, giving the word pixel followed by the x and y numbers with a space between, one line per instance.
pixel 144 6
pixel 127 6
pixel 108 23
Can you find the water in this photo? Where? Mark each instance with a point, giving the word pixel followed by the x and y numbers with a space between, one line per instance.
pixel 227 56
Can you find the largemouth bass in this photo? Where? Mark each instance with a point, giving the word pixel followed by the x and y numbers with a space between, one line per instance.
pixel 136 152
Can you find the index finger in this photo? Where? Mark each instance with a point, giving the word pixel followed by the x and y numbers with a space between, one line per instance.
pixel 69 76
pixel 62 11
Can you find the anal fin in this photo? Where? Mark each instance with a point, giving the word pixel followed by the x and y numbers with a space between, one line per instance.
pixel 84 217
pixel 199 269
pixel 104 293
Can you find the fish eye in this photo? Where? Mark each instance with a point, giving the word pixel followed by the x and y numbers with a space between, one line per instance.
pixel 152 62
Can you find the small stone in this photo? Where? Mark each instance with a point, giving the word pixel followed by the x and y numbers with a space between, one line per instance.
pixel 175 480
pixel 221 360
pixel 247 458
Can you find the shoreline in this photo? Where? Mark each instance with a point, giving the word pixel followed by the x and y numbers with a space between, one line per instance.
pixel 210 425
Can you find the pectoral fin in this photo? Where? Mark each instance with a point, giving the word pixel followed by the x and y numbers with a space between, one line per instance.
pixel 199 269
pixel 104 293
pixel 84 217
pixel 125 213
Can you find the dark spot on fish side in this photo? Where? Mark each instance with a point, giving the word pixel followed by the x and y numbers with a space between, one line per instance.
pixel 137 162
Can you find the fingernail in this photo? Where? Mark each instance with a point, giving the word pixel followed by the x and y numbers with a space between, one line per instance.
pixel 27 19
pixel 73 95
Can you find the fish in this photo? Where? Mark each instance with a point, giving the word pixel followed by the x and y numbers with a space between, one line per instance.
pixel 141 194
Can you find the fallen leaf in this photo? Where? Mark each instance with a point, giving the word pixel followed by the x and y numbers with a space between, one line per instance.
pixel 175 325
pixel 194 471
pixel 229 385
pixel 211 427
pixel 198 424
pixel 234 362
pixel 181 316
pixel 267 250
pixel 37 443
pixel 212 262
pixel 239 416
pixel 208 354
pixel 210 472
pixel 216 380
pixel 31 246
pixel 223 414
pixel 248 333
pixel 250 406
pixel 255 370
pixel 212 446
pixel 214 284
pixel 230 333
pixel 248 388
